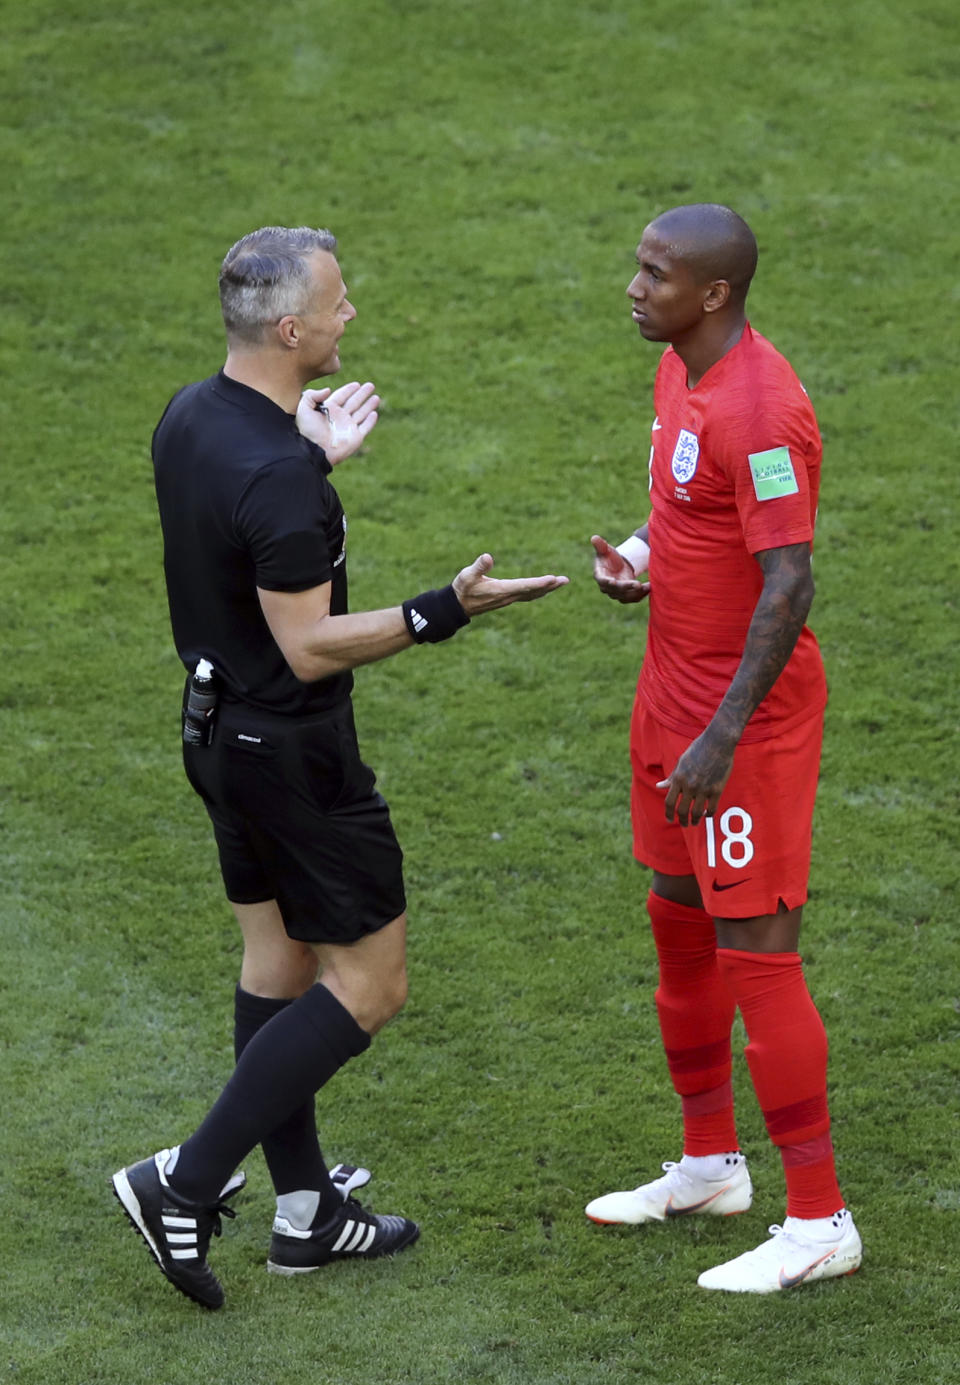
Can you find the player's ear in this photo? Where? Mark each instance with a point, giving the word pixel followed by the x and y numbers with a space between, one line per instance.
pixel 717 296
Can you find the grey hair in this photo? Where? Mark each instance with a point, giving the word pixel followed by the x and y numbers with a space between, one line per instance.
pixel 266 275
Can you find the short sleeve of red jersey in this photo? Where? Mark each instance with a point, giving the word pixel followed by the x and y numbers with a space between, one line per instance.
pixel 771 453
pixel 280 519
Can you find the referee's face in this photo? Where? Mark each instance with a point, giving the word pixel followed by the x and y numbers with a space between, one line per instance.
pixel 325 317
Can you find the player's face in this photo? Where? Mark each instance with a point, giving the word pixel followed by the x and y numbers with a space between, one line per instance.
pixel 667 301
pixel 323 321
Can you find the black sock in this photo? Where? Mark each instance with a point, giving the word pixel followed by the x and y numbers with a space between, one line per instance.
pixel 280 1069
pixel 292 1150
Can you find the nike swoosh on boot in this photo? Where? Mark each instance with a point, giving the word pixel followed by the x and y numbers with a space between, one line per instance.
pixel 671 1211
pixel 790 1281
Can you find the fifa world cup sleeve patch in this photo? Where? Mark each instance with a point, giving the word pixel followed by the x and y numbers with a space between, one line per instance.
pixel 773 473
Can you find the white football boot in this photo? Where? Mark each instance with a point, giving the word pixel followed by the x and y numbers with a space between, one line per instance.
pixel 799 1252
pixel 718 1185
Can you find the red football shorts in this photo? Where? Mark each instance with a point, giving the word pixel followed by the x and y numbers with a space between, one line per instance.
pixel 755 851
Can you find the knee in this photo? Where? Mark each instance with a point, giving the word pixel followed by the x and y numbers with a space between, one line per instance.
pixel 390 999
pixel 677 889
pixel 280 973
pixel 373 1000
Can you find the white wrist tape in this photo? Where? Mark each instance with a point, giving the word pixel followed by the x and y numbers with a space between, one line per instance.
pixel 636 552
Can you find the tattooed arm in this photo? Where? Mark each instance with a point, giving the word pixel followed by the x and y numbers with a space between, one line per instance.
pixel 698 780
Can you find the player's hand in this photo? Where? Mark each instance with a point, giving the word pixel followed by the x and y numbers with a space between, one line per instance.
pixel 614 575
pixel 477 592
pixel 338 420
pixel 698 779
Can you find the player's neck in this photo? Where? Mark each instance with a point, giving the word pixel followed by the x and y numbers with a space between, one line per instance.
pixel 708 345
pixel 262 372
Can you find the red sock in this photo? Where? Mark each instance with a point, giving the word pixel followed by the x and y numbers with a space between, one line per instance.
pixel 696 1012
pixel 787 1056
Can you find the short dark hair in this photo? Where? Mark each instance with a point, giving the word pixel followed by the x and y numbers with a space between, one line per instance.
pixel 714 241
pixel 265 276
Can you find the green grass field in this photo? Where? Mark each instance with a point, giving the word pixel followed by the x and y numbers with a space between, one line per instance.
pixel 488 168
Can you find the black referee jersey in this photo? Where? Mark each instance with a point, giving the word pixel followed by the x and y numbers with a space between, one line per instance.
pixel 245 501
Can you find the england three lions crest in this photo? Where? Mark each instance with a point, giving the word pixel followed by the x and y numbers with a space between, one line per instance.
pixel 686 454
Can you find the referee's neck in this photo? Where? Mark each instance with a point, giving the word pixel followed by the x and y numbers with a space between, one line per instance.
pixel 264 372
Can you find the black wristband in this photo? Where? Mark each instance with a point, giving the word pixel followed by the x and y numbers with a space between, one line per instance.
pixel 434 616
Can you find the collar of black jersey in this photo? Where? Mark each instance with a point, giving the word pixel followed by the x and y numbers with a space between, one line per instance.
pixel 257 403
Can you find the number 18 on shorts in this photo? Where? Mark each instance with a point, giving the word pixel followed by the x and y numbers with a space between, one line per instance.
pixel 755 851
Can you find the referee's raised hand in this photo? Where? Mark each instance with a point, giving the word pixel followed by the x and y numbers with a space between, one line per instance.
pixel 339 420
pixel 477 592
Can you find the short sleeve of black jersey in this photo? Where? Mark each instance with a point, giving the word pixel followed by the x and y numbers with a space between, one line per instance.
pixel 281 520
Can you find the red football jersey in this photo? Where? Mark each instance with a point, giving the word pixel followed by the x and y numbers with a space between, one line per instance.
pixel 734 470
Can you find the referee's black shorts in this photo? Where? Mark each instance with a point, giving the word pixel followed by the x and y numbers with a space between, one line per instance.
pixel 297 818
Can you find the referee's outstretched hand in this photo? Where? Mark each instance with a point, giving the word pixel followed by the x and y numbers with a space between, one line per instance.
pixel 338 420
pixel 477 592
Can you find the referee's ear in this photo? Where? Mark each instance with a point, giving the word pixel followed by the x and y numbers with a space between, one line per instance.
pixel 289 330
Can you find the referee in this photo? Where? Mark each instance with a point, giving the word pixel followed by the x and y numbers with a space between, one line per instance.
pixel 255 563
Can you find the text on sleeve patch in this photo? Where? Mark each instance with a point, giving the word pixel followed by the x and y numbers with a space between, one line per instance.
pixel 773 473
